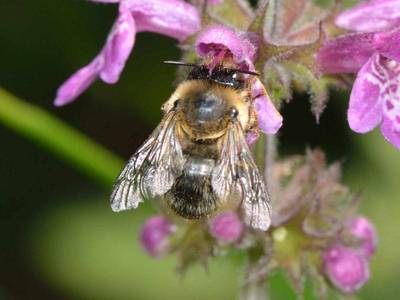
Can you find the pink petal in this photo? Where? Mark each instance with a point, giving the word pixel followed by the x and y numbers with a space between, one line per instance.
pixel 371 16
pixel 78 82
pixel 106 1
pixel 174 18
pixel 345 54
pixel 363 228
pixel 388 44
pixel 118 47
pixel 365 109
pixel 269 119
pixel 217 38
pixel 390 133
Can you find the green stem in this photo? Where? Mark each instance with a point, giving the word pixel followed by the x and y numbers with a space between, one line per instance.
pixel 270 153
pixel 59 138
pixel 254 286
pixel 265 153
pixel 259 152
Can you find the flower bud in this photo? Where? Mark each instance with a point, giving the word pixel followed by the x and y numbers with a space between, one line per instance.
pixel 226 227
pixel 362 228
pixel 154 235
pixel 347 270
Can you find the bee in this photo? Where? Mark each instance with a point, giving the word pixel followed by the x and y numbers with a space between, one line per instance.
pixel 197 160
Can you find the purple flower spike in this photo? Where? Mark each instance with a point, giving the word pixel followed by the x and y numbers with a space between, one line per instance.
pixel 154 234
pixel 376 97
pixel 347 270
pixel 371 16
pixel 362 228
pixel 221 41
pixel 108 63
pixel 226 227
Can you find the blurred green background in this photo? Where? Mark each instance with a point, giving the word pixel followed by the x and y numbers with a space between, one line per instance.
pixel 59 238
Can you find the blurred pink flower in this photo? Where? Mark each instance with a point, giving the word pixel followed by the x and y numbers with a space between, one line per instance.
pixel 362 228
pixel 226 227
pixel 347 270
pixel 154 235
pixel 214 2
pixel 173 18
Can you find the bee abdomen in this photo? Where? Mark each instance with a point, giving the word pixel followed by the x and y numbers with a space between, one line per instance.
pixel 191 196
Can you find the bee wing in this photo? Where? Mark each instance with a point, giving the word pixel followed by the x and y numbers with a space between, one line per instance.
pixel 152 170
pixel 236 172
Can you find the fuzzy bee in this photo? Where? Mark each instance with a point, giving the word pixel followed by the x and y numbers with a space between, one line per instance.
pixel 197 160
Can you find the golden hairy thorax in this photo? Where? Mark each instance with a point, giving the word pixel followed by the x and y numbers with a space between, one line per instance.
pixel 210 122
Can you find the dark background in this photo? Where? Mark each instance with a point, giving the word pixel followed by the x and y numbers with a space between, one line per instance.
pixel 59 238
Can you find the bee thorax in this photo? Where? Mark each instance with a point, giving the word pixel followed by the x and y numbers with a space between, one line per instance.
pixel 207 107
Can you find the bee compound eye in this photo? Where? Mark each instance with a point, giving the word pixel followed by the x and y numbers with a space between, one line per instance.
pixel 238 76
pixel 233 113
pixel 176 104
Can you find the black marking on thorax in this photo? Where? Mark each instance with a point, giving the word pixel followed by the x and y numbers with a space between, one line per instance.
pixel 223 76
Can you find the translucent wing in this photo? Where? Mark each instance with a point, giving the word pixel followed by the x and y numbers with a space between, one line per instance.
pixel 236 172
pixel 152 170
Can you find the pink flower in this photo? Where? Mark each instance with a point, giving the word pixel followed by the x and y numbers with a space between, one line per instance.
pixel 347 270
pixel 269 119
pixel 174 18
pixel 154 235
pixel 219 42
pixel 226 227
pixel 362 228
pixel 375 97
pixel 369 16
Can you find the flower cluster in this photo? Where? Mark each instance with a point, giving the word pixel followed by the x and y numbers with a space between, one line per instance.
pixel 316 232
pixel 285 52
pixel 297 45
pixel 372 50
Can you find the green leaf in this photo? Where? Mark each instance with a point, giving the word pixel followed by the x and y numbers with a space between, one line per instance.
pixel 235 13
pixel 54 135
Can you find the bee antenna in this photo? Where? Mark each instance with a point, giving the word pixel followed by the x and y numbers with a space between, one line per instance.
pixel 246 72
pixel 180 63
